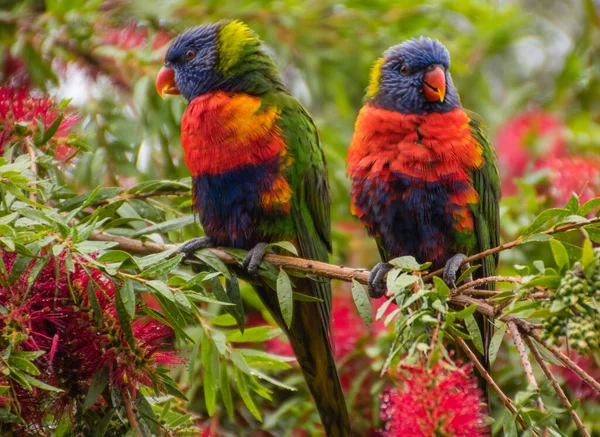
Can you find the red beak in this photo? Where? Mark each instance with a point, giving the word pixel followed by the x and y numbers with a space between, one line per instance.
pixel 434 84
pixel 165 82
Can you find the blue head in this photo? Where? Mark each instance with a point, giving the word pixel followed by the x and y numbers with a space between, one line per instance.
pixel 413 78
pixel 225 56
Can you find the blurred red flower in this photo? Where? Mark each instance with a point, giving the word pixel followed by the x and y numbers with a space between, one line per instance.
pixel 579 388
pixel 21 106
pixel 134 36
pixel 568 175
pixel 525 139
pixel 429 402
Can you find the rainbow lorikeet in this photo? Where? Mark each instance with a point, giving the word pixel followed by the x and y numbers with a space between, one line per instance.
pixel 424 176
pixel 259 176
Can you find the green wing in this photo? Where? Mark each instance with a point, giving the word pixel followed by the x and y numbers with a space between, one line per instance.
pixel 486 182
pixel 307 176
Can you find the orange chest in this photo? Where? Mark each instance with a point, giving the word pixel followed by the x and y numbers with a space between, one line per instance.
pixel 430 147
pixel 222 132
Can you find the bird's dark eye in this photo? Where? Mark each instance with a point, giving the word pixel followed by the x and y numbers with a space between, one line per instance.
pixel 190 54
pixel 404 70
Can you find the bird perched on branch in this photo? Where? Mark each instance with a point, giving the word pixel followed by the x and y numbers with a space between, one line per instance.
pixel 424 175
pixel 259 176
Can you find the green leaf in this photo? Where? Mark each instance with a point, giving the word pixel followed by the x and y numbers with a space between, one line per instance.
pixel 119 256
pixel 361 300
pixel 589 206
pixel 536 238
pixel 509 424
pixel 475 333
pixel 49 132
pixel 102 194
pixel 232 287
pixel 213 261
pixel 408 263
pixel 243 389
pixel 560 254
pixel 466 312
pixel 39 384
pixel 285 297
pixel 253 335
pixel 286 245
pixel 541 219
pixel 495 343
pixel 23 364
pixel 222 295
pixel 594 234
pixel 163 267
pixel 128 298
pixel 209 379
pixel 167 226
pixel 161 288
pixel 97 386
pixel 469 271
pixel 442 288
pixel 124 318
pixel 305 297
pixel 588 259
pixel 102 426
pixel 225 389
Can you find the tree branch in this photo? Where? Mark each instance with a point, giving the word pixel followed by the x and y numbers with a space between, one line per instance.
pixel 531 382
pixel 517 242
pixel 557 388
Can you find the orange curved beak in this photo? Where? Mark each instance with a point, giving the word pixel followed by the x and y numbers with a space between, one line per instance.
pixel 165 82
pixel 434 85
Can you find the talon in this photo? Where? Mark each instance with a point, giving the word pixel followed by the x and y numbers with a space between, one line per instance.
pixel 376 282
pixel 452 267
pixel 191 246
pixel 251 261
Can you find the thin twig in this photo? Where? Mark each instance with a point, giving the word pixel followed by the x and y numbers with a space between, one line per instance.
pixel 532 383
pixel 557 388
pixel 568 362
pixel 511 244
pixel 130 413
pixel 488 378
pixel 487 279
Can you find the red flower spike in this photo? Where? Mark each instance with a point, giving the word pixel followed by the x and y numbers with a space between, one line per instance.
pixel 568 175
pixel 580 389
pixel 21 106
pixel 433 402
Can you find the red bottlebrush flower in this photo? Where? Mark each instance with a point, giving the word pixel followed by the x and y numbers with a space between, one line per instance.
pixel 55 315
pixel 134 36
pixel 21 106
pixel 13 71
pixel 522 140
pixel 430 402
pixel 579 175
pixel 579 388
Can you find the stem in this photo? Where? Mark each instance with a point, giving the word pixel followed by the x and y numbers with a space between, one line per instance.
pixel 486 280
pixel 174 193
pixel 514 332
pixel 557 388
pixel 568 362
pixel 511 244
pixel 130 413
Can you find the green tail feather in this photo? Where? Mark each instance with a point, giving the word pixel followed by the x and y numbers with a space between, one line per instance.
pixel 312 347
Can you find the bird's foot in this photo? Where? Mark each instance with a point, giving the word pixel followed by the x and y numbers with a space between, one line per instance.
pixel 452 267
pixel 376 283
pixel 189 247
pixel 252 260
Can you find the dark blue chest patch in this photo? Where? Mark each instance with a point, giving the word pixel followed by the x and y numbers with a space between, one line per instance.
pixel 411 217
pixel 228 204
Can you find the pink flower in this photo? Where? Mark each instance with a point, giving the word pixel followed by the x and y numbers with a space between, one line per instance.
pixel 430 402
pixel 524 139
pixel 568 175
pixel 19 105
